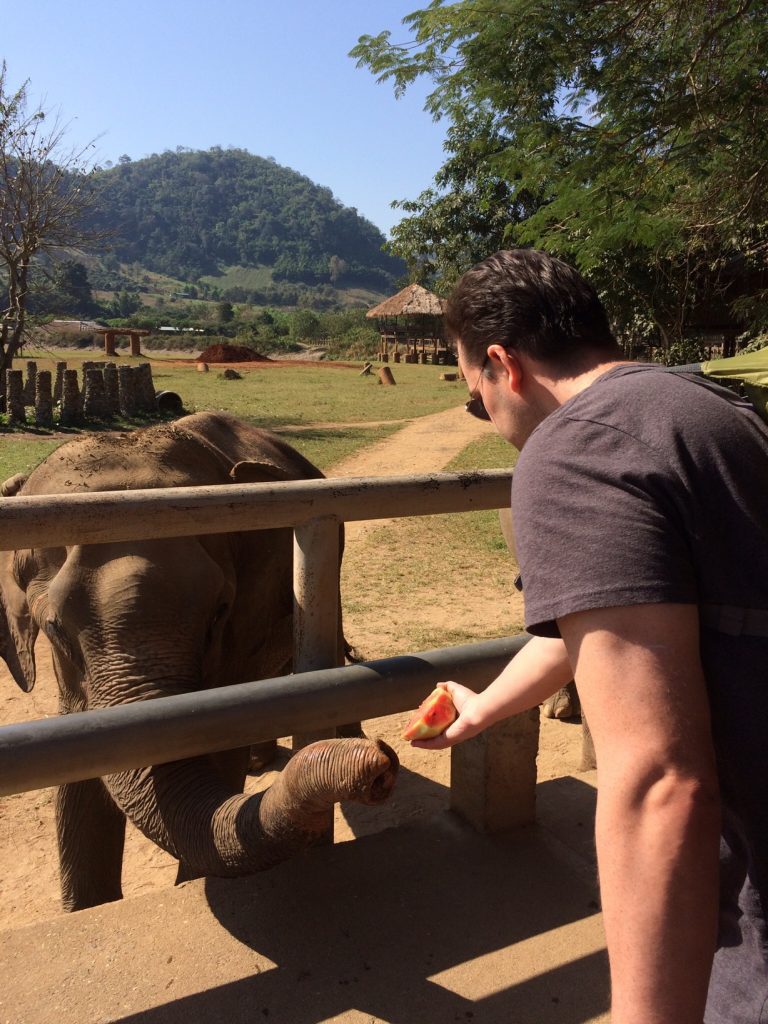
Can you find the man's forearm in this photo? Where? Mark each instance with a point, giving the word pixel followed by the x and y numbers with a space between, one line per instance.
pixel 658 855
pixel 540 669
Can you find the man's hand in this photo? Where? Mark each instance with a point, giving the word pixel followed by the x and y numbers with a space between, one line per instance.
pixel 535 673
pixel 468 722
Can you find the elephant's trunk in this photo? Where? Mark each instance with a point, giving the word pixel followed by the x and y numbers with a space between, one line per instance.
pixel 188 810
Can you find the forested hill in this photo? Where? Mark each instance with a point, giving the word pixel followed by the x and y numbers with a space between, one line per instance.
pixel 190 213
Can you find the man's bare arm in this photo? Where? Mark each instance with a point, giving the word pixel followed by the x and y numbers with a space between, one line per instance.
pixel 535 673
pixel 642 688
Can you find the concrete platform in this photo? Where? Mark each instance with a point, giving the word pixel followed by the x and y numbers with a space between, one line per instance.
pixel 427 923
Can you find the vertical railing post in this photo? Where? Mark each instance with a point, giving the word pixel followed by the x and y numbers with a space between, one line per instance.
pixel 315 601
pixel 316 612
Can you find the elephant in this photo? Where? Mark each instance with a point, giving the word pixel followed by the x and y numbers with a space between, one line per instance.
pixel 144 619
pixel 566 702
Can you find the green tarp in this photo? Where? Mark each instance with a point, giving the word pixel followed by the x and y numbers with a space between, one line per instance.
pixel 748 372
pixel 749 366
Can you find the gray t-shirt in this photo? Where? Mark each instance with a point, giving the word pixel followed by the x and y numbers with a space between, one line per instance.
pixel 647 487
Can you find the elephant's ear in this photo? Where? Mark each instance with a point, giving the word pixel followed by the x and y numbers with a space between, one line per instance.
pixel 258 473
pixel 18 630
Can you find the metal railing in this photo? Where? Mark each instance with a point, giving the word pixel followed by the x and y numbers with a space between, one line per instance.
pixel 499 766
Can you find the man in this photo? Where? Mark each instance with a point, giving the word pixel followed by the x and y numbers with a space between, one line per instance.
pixel 641 520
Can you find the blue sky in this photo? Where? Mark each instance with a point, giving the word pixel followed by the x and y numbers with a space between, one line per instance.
pixel 273 78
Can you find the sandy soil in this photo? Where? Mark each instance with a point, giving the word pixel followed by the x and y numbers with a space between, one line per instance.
pixel 28 862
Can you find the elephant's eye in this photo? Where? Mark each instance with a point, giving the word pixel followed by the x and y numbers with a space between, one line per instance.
pixel 220 613
pixel 52 629
pixel 58 636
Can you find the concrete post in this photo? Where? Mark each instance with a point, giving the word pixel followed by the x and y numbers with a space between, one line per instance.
pixel 57 388
pixel 14 396
pixel 30 385
pixel 493 775
pixel 145 389
pixel 43 399
pixel 126 381
pixel 111 389
pixel 135 344
pixel 87 365
pixel 95 400
pixel 109 343
pixel 316 609
pixel 70 399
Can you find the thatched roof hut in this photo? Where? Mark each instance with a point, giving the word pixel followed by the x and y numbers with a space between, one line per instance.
pixel 413 300
pixel 414 319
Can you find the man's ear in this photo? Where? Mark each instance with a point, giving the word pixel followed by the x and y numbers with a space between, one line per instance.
pixel 506 362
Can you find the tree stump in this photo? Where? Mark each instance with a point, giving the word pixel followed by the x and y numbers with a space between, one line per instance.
pixel 385 376
pixel 449 376
pixel 43 399
pixel 201 367
pixel 366 370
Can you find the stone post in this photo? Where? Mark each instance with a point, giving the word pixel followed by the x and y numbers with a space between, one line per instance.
pixel 87 365
pixel 126 381
pixel 70 399
pixel 14 396
pixel 135 344
pixel 30 385
pixel 95 400
pixel 111 389
pixel 109 343
pixel 145 389
pixel 57 387
pixel 43 399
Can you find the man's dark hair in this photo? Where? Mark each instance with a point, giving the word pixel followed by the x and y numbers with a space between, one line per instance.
pixel 530 301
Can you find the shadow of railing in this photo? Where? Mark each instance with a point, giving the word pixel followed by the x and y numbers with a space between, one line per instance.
pixel 425 923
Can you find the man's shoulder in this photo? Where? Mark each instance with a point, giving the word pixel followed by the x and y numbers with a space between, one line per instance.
pixel 646 402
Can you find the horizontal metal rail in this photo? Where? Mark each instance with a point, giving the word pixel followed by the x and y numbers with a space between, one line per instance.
pixel 88 744
pixel 97 518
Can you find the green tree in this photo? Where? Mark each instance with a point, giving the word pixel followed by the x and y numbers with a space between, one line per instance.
pixel 626 136
pixel 125 303
pixel 305 325
pixel 225 312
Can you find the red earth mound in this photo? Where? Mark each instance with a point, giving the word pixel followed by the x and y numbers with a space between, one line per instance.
pixel 231 354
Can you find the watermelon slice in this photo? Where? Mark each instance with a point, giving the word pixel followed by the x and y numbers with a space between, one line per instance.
pixel 432 717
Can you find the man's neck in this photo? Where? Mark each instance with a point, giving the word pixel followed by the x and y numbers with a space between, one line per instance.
pixel 564 388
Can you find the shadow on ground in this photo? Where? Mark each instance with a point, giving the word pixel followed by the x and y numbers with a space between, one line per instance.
pixel 427 923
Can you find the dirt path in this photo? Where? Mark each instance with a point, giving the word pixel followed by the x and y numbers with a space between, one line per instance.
pixel 28 872
pixel 425 445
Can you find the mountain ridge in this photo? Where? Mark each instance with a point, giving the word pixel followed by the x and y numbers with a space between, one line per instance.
pixel 192 213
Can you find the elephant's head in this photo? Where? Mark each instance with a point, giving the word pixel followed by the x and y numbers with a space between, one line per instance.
pixel 134 621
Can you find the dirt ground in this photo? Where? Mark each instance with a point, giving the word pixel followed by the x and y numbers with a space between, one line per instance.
pixel 28 862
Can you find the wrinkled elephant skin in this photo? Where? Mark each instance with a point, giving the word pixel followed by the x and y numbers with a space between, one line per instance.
pixel 134 621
